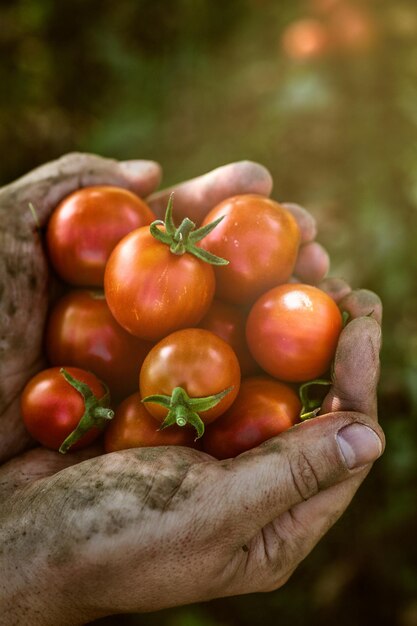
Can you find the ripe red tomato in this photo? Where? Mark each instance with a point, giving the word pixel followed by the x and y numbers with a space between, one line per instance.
pixel 292 332
pixel 263 409
pixel 82 332
pixel 229 322
pixel 259 238
pixel 151 291
pixel 52 408
pixel 196 360
pixel 133 427
pixel 86 226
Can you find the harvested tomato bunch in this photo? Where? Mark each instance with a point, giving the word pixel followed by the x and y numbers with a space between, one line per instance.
pixel 197 334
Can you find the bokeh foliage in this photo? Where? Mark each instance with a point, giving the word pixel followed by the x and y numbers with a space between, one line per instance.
pixel 197 83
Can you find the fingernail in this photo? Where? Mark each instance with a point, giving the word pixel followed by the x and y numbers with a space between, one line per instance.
pixel 359 445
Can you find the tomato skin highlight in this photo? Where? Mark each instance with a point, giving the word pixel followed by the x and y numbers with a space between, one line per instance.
pixel 85 227
pixel 134 427
pixel 292 332
pixel 151 291
pixel 82 332
pixel 198 361
pixel 229 322
pixel 263 408
pixel 259 238
pixel 51 408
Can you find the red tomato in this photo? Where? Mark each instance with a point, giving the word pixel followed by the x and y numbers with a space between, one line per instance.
pixel 196 360
pixel 259 238
pixel 82 332
pixel 52 408
pixel 151 291
pixel 229 322
pixel 263 409
pixel 86 226
pixel 292 331
pixel 133 427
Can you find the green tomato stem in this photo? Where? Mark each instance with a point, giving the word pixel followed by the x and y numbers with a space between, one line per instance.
pixel 96 411
pixel 184 238
pixel 183 410
pixel 311 406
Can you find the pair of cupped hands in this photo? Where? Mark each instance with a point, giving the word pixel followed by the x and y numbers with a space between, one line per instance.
pixel 86 534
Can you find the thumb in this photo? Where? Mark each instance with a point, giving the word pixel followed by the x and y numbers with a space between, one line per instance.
pixel 45 186
pixel 297 465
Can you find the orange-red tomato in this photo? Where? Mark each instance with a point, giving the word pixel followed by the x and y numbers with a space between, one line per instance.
pixel 198 361
pixel 133 427
pixel 292 332
pixel 82 332
pixel 263 409
pixel 86 226
pixel 259 238
pixel 229 322
pixel 305 39
pixel 151 291
pixel 52 408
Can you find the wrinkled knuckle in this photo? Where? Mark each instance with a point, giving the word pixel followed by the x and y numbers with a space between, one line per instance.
pixel 304 477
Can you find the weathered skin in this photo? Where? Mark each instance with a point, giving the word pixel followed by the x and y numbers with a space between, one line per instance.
pixel 87 535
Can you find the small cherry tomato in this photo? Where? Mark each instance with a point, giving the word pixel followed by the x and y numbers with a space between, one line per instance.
pixel 196 361
pixel 263 409
pixel 229 322
pixel 292 332
pixel 158 280
pixel 259 238
pixel 86 226
pixel 151 291
pixel 57 404
pixel 134 427
pixel 82 332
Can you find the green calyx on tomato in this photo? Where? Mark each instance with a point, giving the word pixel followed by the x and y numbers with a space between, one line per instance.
pixel 184 410
pixel 312 402
pixel 184 238
pixel 96 413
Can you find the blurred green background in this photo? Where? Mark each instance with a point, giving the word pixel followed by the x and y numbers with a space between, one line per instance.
pixel 324 93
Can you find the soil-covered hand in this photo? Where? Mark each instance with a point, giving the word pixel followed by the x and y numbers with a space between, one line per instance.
pixel 24 274
pixel 144 529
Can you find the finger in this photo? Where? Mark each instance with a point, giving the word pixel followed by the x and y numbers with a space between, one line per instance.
pixel 45 186
pixel 312 263
pixel 362 302
pixel 356 369
pixel 306 222
pixel 196 197
pixel 294 467
pixel 289 538
pixel 336 288
pixel 310 520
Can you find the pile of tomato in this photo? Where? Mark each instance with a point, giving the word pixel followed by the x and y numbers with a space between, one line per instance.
pixel 174 334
